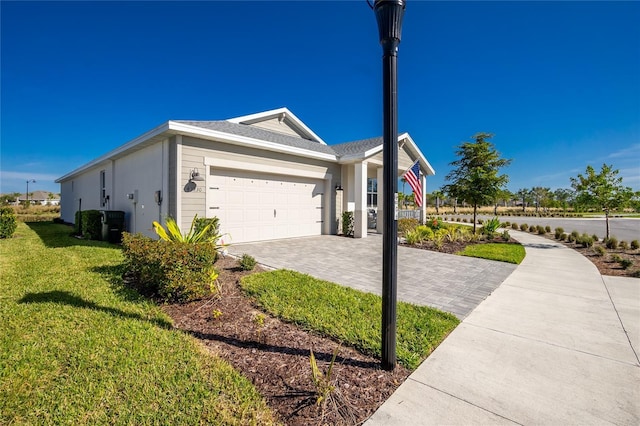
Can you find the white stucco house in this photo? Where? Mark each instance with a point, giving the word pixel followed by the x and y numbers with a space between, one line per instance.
pixel 265 176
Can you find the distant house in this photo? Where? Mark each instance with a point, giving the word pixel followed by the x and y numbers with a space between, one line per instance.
pixel 265 176
pixel 40 197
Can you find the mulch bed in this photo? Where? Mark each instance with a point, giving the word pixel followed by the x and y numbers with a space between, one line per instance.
pixel 275 356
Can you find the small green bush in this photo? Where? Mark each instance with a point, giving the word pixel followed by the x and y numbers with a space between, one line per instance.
pixel 558 231
pixel 625 263
pixel 575 234
pixel 524 227
pixel 595 238
pixel 611 243
pixel 247 262
pixel 489 228
pixel 635 245
pixel 505 235
pixel 92 224
pixel 585 240
pixel 616 258
pixel 547 229
pixel 599 250
pixel 169 270
pixel 8 222
pixel 571 238
pixel 434 223
pixel 623 245
pixel 533 228
pixel 407 224
pixel 541 229
pixel 347 224
pixel 515 226
pixel 564 237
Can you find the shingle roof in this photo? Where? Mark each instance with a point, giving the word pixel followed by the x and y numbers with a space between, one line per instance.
pixel 357 147
pixel 261 134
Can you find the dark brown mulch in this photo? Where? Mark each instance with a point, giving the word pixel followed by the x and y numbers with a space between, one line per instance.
pixel 605 264
pixel 275 356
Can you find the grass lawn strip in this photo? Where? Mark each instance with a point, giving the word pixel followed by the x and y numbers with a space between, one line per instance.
pixel 348 315
pixel 512 253
pixel 77 348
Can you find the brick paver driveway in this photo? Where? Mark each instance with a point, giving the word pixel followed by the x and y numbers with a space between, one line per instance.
pixel 455 284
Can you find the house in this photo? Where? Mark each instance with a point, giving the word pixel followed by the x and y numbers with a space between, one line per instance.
pixel 43 198
pixel 265 176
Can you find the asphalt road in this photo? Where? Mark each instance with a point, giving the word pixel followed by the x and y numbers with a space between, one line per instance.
pixel 627 229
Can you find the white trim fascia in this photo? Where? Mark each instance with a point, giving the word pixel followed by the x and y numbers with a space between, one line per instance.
pixel 120 150
pixel 261 116
pixel 245 141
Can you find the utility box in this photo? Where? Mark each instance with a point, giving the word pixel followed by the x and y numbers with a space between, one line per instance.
pixel 112 225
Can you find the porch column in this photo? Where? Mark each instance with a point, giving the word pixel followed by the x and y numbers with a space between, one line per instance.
pixel 360 189
pixel 423 209
pixel 381 217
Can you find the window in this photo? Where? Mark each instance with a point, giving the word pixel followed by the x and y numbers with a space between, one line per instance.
pixel 372 192
pixel 103 188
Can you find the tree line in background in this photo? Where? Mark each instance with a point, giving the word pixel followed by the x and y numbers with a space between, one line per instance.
pixel 475 181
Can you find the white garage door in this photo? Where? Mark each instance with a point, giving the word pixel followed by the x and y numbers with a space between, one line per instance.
pixel 258 206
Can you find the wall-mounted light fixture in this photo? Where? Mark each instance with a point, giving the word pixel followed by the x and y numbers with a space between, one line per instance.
pixel 195 176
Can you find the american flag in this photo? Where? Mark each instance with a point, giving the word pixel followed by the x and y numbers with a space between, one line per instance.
pixel 412 175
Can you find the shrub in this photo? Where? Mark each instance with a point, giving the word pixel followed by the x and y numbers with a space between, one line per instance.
pixel 489 228
pixel 92 224
pixel 547 228
pixel 347 224
pixel 611 243
pixel 541 229
pixel 8 222
pixel 625 263
pixel 533 228
pixel 407 224
pixel 515 226
pixel 559 231
pixel 575 234
pixel 247 262
pixel 506 224
pixel 170 270
pixel 595 238
pixel 524 227
pixel 635 245
pixel 616 258
pixel 623 245
pixel 599 250
pixel 213 231
pixel 434 223
pixel 419 235
pixel 564 237
pixel 571 238
pixel 505 235
pixel 585 240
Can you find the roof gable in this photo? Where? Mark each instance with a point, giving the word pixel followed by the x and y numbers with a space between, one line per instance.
pixel 279 120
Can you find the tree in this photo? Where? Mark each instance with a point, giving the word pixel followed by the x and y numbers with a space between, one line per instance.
pixel 602 190
pixel 475 177
pixel 503 195
pixel 524 195
pixel 438 195
pixel 540 196
pixel 563 197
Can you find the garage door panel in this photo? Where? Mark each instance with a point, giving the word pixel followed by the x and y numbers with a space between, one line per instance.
pixel 246 203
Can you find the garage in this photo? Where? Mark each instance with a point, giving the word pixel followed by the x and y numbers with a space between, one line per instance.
pixel 259 206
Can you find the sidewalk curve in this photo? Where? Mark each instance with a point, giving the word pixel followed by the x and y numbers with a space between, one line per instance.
pixel 556 343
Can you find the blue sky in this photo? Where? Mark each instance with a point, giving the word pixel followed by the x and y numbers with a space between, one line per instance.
pixel 558 83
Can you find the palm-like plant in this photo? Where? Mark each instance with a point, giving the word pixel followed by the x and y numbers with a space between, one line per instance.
pixel 173 233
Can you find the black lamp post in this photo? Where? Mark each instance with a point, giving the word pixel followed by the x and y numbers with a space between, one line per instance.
pixel 27 194
pixel 389 14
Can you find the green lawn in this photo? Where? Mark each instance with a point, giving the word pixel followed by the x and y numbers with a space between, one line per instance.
pixel 512 253
pixel 77 348
pixel 350 316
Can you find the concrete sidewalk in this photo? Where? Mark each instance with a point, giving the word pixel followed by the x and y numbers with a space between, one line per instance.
pixel 556 343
